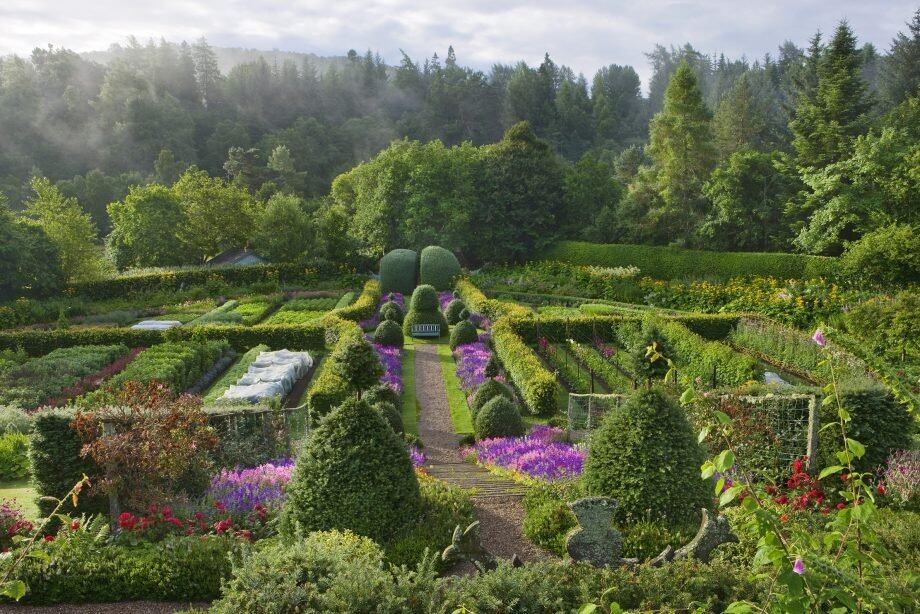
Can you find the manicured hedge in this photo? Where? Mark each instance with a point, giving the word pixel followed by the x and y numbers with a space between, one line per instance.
pixel 438 267
pixel 365 306
pixel 399 271
pixel 177 279
pixel 678 263
pixel 538 387
pixel 177 364
pixel 308 336
pixel 697 357
pixel 54 454
pixel 477 302
pixel 586 328
pixel 327 389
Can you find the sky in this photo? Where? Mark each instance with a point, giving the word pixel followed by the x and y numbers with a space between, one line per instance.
pixel 582 34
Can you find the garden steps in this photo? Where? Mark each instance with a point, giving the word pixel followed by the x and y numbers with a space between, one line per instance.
pixel 485 483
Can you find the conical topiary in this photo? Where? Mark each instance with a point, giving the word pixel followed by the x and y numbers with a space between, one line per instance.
pixel 391 415
pixel 646 457
pixel 452 313
pixel 486 392
pixel 424 309
pixel 499 418
pixel 354 473
pixel 392 311
pixel 357 364
pixel 462 333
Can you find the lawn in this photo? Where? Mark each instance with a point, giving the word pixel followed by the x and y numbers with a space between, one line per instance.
pixel 410 402
pixel 23 493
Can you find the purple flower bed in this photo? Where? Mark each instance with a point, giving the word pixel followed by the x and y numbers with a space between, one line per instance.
pixel 444 298
pixel 371 323
pixel 540 454
pixel 391 361
pixel 472 359
pixel 240 491
pixel 418 458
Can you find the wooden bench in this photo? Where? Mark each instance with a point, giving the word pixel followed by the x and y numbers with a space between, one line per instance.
pixel 426 330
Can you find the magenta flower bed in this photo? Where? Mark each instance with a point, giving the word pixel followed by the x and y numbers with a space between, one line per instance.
pixel 371 323
pixel 240 491
pixel 444 298
pixel 418 458
pixel 540 454
pixel 391 361
pixel 472 359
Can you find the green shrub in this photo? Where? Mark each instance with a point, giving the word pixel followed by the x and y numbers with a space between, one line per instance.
pixel 327 389
pixel 547 518
pixel 392 415
pixel 365 306
pixel 438 267
pixel 499 418
pixel 877 421
pixel 356 364
pixel 14 456
pixel 645 456
pixel 888 255
pixel 489 389
pixel 82 569
pixel 399 271
pixel 392 311
pixel 14 420
pixel 381 393
pixel 462 333
pixel 424 309
pixel 679 263
pixel 389 333
pixel 645 368
pixel 178 364
pixel 536 384
pixel 453 311
pixel 56 464
pixel 697 357
pixel 354 473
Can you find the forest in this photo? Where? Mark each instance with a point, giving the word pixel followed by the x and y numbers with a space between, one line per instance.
pixel 157 158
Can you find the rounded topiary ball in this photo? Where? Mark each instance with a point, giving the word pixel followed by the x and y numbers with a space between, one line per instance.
pixel 398 271
pixel 499 418
pixel 464 314
pixel 354 473
pixel 462 333
pixel 438 267
pixel 646 457
pixel 454 308
pixel 493 369
pixel 392 311
pixel 486 392
pixel 389 333
pixel 391 415
pixel 424 298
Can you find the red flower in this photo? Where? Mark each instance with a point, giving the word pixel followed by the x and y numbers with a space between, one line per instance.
pixel 199 516
pixel 844 476
pixel 220 506
pixel 74 525
pixel 126 521
pixel 49 538
pixel 174 521
pixel 880 489
pixel 190 531
pixel 152 509
pixel 244 534
pixel 782 499
pixel 771 489
pixel 221 526
pixel 784 518
pixel 167 513
pixel 841 505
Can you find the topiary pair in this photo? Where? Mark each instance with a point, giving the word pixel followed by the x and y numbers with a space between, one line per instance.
pixel 498 418
pixel 354 473
pixel 438 267
pixel 399 271
pixel 486 392
pixel 646 457
pixel 424 309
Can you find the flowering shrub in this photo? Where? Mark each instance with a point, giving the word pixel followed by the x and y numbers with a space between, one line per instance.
pixel 541 454
pixel 391 361
pixel 472 359
pixel 901 479
pixel 241 491
pixel 160 522
pixel 417 457
pixel 12 525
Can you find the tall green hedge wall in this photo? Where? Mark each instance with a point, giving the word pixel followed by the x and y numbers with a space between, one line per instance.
pixel 399 271
pixel 678 263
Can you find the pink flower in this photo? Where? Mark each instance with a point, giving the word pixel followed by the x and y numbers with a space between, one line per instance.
pixel 818 338
pixel 799 566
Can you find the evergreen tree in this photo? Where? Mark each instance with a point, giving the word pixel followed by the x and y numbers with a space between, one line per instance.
pixel 901 69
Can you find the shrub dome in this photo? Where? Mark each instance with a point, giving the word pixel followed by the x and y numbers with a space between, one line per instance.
pixel 424 309
pixel 499 418
pixel 438 267
pixel 489 389
pixel 646 457
pixel 391 415
pixel 399 271
pixel 354 473
pixel 462 333
pixel 392 311
pixel 453 311
pixel 389 333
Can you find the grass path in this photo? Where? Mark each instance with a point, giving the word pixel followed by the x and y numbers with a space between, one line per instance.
pixel 456 398
pixel 24 494
pixel 410 401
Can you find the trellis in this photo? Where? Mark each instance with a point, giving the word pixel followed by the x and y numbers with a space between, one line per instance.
pixel 275 425
pixel 585 412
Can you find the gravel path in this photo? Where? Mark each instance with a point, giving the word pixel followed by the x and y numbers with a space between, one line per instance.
pixel 500 517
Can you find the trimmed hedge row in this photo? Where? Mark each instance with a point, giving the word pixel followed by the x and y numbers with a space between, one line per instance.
pixel 538 387
pixel 308 336
pixel 176 280
pixel 586 328
pixel 478 302
pixel 327 390
pixel 678 263
pixel 177 364
pixel 697 357
pixel 365 306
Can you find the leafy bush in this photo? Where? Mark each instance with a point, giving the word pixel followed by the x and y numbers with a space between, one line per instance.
pixel 547 518
pixel 499 418
pixel 382 393
pixel 438 267
pixel 877 421
pixel 645 456
pixel 83 568
pixel 56 464
pixel 536 384
pixel 14 456
pixel 356 364
pixel 327 389
pixel 399 271
pixel 453 311
pixel 489 389
pixel 645 368
pixel 392 415
pixel 354 473
pixel 678 263
pixel 392 311
pixel 424 309
pixel 178 364
pixel 462 333
pixel 389 333
pixel 888 255
pixel 36 381
pixel 14 420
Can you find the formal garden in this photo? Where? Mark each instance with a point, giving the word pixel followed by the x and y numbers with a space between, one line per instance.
pixel 596 431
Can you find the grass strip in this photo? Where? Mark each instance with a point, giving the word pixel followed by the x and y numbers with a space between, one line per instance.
pixel 459 410
pixel 24 494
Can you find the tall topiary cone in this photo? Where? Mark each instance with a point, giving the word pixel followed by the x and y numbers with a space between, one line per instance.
pixel 646 457
pixel 354 473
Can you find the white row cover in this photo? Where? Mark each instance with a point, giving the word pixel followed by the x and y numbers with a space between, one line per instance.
pixel 157 324
pixel 272 374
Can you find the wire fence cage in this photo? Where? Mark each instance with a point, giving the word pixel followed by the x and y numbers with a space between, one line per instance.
pixel 586 411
